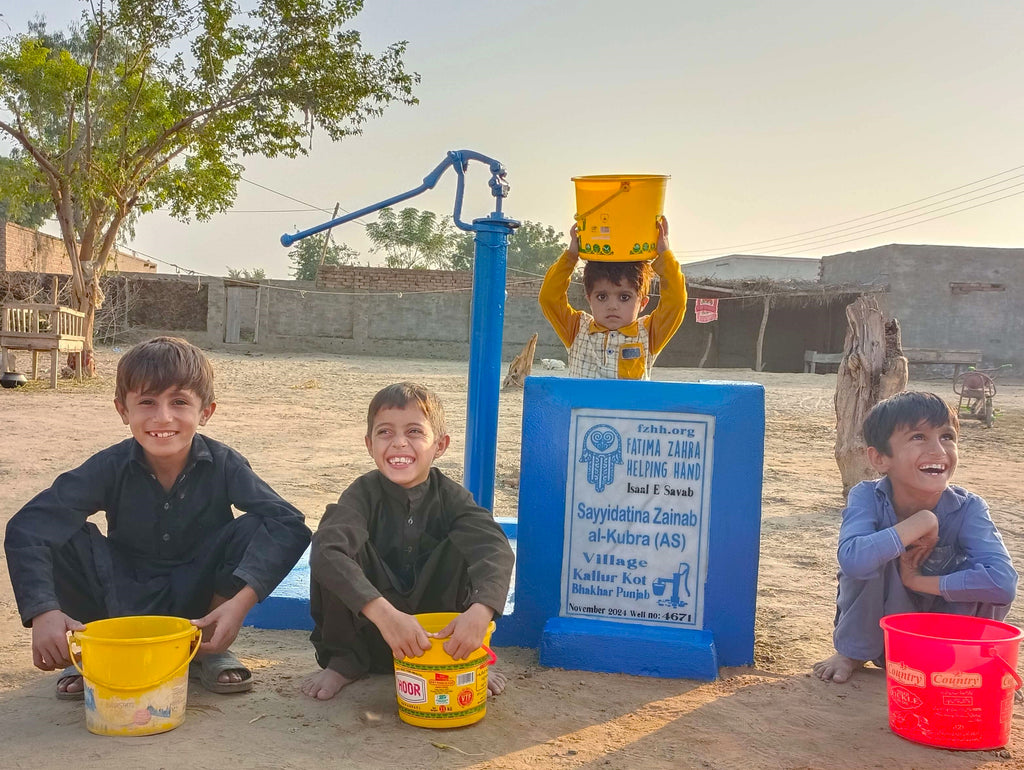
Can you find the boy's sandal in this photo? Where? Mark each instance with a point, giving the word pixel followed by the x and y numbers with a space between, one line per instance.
pixel 208 668
pixel 68 673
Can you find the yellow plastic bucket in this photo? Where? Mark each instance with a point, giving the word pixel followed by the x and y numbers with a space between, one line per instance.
pixel 136 672
pixel 617 216
pixel 435 690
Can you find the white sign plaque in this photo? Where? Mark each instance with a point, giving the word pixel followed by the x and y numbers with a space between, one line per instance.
pixel 636 524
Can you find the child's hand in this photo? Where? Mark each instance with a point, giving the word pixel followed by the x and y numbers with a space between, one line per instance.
pixel 573 251
pixel 910 574
pixel 918 551
pixel 221 624
pixel 402 632
pixel 909 569
pixel 467 631
pixel 50 639
pixel 663 235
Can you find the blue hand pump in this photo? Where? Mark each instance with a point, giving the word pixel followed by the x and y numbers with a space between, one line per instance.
pixel 487 315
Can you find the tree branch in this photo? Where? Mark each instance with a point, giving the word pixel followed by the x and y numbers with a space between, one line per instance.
pixel 37 155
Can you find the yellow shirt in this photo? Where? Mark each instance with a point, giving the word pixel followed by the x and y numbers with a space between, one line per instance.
pixel 626 353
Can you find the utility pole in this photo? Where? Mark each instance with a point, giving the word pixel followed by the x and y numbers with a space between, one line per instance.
pixel 327 238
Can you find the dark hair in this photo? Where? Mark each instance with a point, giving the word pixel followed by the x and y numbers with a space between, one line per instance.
pixel 155 365
pixel 636 274
pixel 906 409
pixel 400 395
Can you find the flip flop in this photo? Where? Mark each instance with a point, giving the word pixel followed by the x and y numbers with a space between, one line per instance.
pixel 208 668
pixel 67 673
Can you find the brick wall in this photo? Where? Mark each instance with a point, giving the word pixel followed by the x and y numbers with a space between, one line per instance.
pixel 378 280
pixel 30 251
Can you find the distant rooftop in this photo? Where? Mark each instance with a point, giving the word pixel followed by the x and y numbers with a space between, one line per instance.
pixel 751 266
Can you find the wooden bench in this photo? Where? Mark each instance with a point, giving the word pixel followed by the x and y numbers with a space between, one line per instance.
pixel 812 358
pixel 39 328
pixel 957 358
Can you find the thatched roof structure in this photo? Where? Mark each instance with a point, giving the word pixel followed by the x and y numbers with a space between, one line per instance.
pixel 791 292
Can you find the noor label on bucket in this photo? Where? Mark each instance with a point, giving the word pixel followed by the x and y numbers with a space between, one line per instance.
pixel 636 523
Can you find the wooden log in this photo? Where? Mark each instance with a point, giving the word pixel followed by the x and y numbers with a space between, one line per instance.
pixel 521 365
pixel 873 368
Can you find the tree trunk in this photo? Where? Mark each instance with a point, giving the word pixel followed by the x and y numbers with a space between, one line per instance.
pixel 873 368
pixel 87 302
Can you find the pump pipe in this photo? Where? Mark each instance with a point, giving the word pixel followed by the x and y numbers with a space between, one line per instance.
pixel 487 315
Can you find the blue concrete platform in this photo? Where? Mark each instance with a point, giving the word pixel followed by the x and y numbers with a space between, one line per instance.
pixel 288 606
pixel 628 649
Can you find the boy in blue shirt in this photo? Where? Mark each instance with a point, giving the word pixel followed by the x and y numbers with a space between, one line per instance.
pixel 911 542
pixel 173 545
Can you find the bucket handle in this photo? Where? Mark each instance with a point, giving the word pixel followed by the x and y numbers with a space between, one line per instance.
pixel 197 638
pixel 492 658
pixel 582 218
pixel 994 654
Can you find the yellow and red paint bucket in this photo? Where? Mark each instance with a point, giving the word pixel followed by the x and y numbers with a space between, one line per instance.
pixel 434 689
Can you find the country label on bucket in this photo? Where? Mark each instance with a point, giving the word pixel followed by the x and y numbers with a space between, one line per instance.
pixel 904 674
pixel 956 680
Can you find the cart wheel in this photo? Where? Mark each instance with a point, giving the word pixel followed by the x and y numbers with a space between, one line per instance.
pixel 988 415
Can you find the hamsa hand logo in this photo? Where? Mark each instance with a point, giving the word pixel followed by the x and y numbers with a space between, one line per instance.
pixel 602 451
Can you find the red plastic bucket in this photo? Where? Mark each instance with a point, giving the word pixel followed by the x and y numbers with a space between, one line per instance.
pixel 951 679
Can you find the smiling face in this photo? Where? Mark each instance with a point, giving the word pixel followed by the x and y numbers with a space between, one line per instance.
pixel 403 444
pixel 164 424
pixel 920 466
pixel 615 305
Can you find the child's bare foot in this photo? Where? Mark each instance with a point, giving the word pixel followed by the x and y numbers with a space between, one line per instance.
pixel 324 684
pixel 496 682
pixel 836 669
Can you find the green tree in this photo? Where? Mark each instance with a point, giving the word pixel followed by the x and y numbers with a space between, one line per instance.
pixel 23 200
pixel 531 250
pixel 151 103
pixel 413 238
pixel 306 255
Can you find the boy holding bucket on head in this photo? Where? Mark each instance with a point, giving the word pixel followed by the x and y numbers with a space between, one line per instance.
pixel 403 539
pixel 613 341
pixel 911 542
pixel 173 545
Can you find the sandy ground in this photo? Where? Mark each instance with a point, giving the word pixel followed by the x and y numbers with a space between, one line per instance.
pixel 299 420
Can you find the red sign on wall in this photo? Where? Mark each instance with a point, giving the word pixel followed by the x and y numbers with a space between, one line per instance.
pixel 706 310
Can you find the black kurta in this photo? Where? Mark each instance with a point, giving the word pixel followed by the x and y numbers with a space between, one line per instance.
pixel 160 545
pixel 428 549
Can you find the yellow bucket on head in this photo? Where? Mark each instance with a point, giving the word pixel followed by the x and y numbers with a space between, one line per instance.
pixel 135 670
pixel 617 216
pixel 435 690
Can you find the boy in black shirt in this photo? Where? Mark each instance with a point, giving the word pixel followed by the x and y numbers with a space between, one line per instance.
pixel 173 545
pixel 402 540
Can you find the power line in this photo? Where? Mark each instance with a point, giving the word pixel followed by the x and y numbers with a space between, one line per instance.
pixel 795 238
pixel 912 224
pixel 289 197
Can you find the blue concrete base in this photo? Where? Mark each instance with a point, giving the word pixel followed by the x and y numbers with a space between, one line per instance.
pixel 288 606
pixel 601 645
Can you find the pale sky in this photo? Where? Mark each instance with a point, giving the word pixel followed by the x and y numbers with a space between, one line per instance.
pixel 772 118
